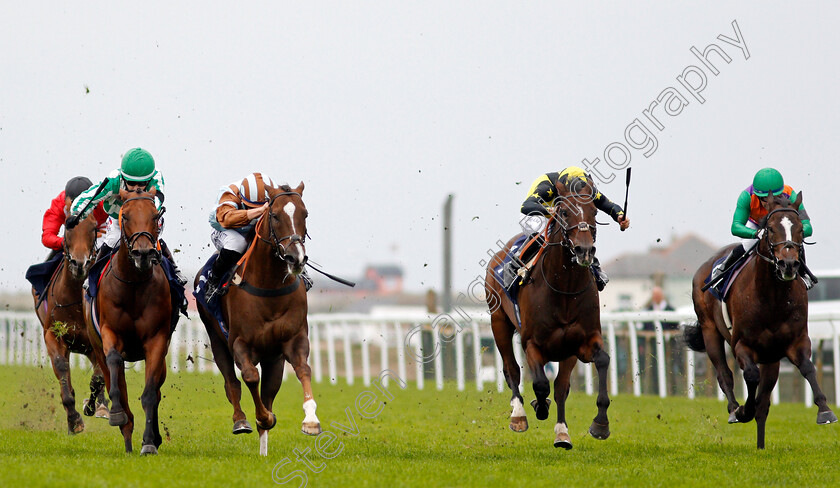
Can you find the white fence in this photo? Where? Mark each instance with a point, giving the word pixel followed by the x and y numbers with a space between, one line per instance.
pixel 415 346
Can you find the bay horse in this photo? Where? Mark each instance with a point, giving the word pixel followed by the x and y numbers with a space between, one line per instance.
pixel 265 311
pixel 560 314
pixel 764 318
pixel 132 312
pixel 62 318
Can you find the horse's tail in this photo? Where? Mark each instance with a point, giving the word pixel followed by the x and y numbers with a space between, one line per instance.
pixel 693 337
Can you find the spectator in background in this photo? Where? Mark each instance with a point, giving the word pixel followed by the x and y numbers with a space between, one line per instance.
pixel 659 303
pixel 647 346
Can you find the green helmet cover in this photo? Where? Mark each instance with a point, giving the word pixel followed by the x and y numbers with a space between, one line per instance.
pixel 766 181
pixel 137 165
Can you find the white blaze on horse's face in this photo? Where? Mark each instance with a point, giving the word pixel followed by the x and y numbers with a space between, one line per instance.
pixel 297 247
pixel 788 226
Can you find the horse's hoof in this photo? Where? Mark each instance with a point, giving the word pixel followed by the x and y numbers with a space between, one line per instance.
pixel 271 425
pixel 242 427
pixel 102 411
pixel 599 431
pixel 88 409
pixel 826 417
pixel 518 424
pixel 733 418
pixel 541 409
pixel 76 428
pixel 148 449
pixel 311 428
pixel 563 440
pixel 117 419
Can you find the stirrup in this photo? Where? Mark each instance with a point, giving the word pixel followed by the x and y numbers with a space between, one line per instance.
pixel 307 281
pixel 807 280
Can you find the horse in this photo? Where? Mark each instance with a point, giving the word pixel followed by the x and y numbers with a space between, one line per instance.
pixel 266 316
pixel 61 316
pixel 133 314
pixel 560 314
pixel 764 318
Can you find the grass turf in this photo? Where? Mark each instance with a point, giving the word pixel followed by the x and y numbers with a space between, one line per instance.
pixel 420 438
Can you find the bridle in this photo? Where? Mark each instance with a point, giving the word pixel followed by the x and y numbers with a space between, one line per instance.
pixel 565 241
pixel 276 242
pixel 772 245
pixel 91 255
pixel 129 241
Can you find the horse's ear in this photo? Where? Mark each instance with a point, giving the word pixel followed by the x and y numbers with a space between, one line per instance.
pixel 124 194
pixel 153 191
pixel 561 188
pixel 299 189
pixel 798 202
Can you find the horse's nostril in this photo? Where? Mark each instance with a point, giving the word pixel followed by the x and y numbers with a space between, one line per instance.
pixel 578 249
pixel 290 259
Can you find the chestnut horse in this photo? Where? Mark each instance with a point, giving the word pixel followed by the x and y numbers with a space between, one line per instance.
pixel 61 316
pixel 764 319
pixel 265 312
pixel 133 312
pixel 560 314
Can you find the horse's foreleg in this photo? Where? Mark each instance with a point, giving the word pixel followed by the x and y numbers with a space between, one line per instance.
pixel 746 359
pixel 59 356
pixel 503 334
pixel 800 356
pixel 251 376
pixel 600 428
pixel 716 351
pixel 297 351
pixel 272 378
pixel 769 375
pixel 542 388
pixel 233 388
pixel 155 352
pixel 561 393
pixel 96 404
pixel 120 413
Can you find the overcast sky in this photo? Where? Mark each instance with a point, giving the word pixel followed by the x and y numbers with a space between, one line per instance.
pixel 385 108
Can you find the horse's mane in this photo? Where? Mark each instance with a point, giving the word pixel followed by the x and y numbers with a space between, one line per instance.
pixel 284 187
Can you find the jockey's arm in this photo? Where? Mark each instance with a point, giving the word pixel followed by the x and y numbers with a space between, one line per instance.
pixel 540 196
pixel 604 204
pixel 807 230
pixel 740 218
pixel 89 195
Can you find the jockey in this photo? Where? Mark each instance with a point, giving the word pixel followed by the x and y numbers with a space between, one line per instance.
pixel 751 208
pixel 540 201
pixel 59 209
pixel 137 172
pixel 238 207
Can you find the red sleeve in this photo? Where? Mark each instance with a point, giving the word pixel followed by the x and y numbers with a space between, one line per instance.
pixel 53 220
pixel 100 215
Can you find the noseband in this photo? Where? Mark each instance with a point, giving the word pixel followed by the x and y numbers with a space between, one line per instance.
pixel 132 239
pixel 277 242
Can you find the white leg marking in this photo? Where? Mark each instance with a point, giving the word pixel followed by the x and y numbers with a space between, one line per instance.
pixel 309 407
pixel 560 428
pixel 788 225
pixel 518 411
pixel 264 443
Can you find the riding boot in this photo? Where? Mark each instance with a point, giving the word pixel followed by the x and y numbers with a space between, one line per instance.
pixel 510 272
pixel 601 278
pixel 104 251
pixel 179 276
pixel 733 256
pixel 226 260
pixel 807 276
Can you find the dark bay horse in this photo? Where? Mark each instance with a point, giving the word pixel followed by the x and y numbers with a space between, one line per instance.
pixel 133 312
pixel 560 314
pixel 764 319
pixel 265 311
pixel 61 316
